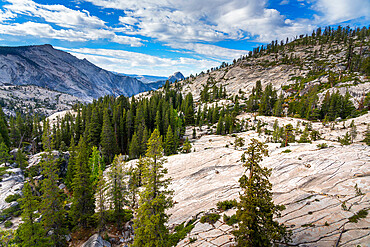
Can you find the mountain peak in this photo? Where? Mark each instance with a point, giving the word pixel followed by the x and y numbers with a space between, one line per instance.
pixel 176 76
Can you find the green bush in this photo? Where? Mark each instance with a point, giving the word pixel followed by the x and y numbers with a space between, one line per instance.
pixel 180 232
pixel 360 214
pixel 322 145
pixel 8 224
pixel 230 220
pixel 226 205
pixel 287 151
pixel 210 218
pixel 12 198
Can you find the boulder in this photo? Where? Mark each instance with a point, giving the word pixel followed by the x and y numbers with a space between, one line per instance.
pixel 96 241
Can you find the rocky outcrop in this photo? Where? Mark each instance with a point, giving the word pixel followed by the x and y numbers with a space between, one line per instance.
pixel 317 186
pixel 96 241
pixel 11 183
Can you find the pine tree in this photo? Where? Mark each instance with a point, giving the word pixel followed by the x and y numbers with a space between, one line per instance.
pixel 4 135
pixel 96 164
pixel 83 202
pixel 101 189
pixel 52 208
pixel 169 142
pixel 118 187
pixel 186 148
pixel 4 153
pixel 256 209
pixel 367 135
pixel 220 126
pixel 150 228
pixel 46 135
pixel 94 129
pixel 288 134
pixel 30 232
pixel 21 159
pixel 134 149
pixel 71 165
pixel 108 141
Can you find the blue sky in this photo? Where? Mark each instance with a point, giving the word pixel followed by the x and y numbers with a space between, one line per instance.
pixel 159 37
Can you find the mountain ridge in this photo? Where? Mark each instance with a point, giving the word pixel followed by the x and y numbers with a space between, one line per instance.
pixel 44 66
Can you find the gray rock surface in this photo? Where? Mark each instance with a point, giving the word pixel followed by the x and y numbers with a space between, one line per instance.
pixel 96 241
pixel 47 67
pixel 312 183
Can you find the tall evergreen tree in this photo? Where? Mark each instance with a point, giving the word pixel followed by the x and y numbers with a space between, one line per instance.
pixel 4 153
pixel 256 209
pixel 118 187
pixel 83 202
pixel 31 233
pixel 150 228
pixel 134 149
pixel 4 135
pixel 169 142
pixel 101 189
pixel 52 208
pixel 108 142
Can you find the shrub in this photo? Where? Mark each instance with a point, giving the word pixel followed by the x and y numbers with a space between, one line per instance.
pixel 210 218
pixel 12 198
pixel 226 205
pixel 8 224
pixel 230 220
pixel 360 214
pixel 287 151
pixel 322 145
pixel 180 232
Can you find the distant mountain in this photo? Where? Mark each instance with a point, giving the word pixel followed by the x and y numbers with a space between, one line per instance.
pixel 155 82
pixel 44 66
pixel 147 78
pixel 177 76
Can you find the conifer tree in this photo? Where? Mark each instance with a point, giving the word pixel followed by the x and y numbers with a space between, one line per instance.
pixel 30 232
pixel 150 228
pixel 367 135
pixel 4 135
pixel 134 149
pixel 83 202
pixel 46 135
pixel 256 209
pixel 220 125
pixel 4 153
pixel 186 148
pixel 118 187
pixel 107 142
pixel 96 164
pixel 169 142
pixel 52 208
pixel 71 165
pixel 101 189
pixel 94 129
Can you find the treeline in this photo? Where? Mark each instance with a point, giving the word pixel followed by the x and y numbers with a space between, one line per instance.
pixel 114 125
pixel 267 103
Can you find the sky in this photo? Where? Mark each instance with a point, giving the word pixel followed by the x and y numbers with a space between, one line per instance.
pixel 160 37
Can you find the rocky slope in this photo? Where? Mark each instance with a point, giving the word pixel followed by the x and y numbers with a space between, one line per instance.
pixel 240 77
pixel 49 68
pixel 312 183
pixel 33 99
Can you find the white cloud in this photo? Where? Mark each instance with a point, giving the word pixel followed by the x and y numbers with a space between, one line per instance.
pixel 337 11
pixel 74 25
pixel 284 2
pixel 57 14
pixel 216 52
pixel 139 63
pixel 6 15
pixel 44 30
pixel 202 20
